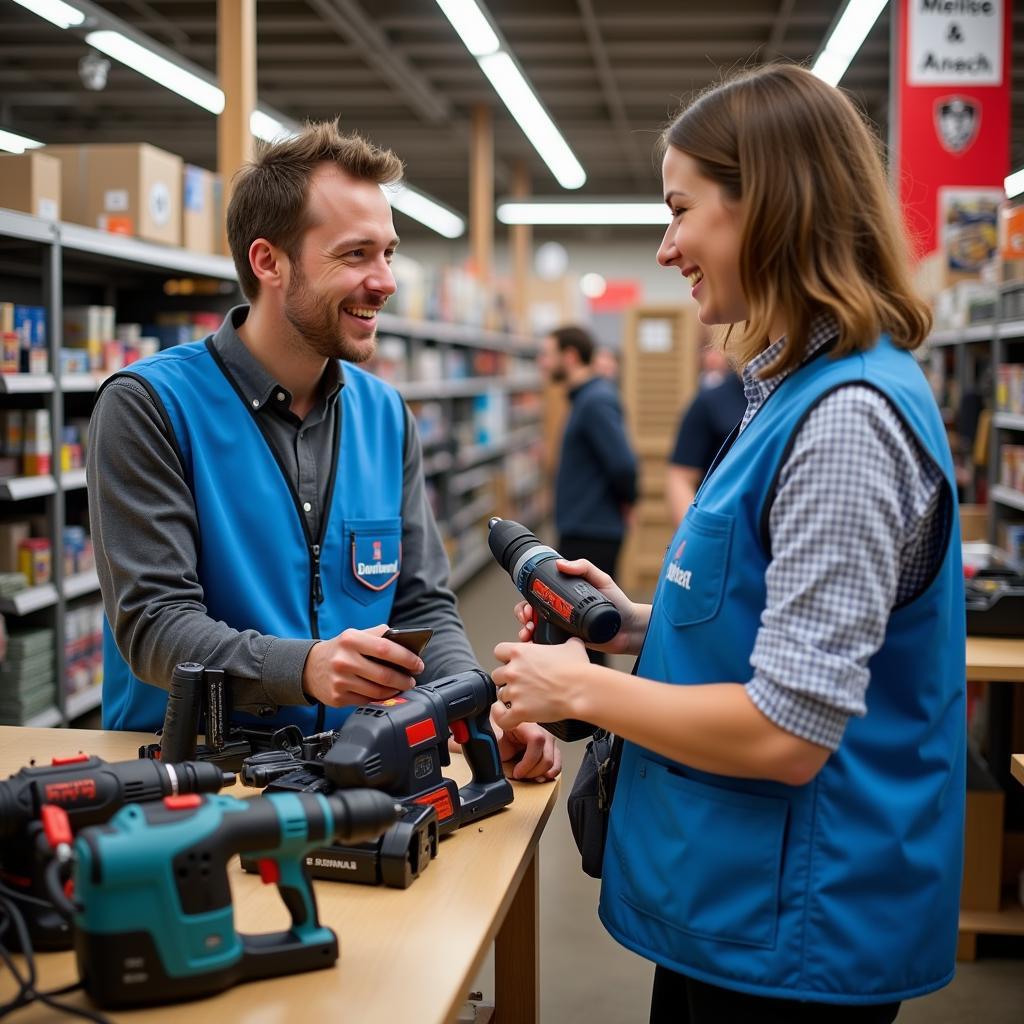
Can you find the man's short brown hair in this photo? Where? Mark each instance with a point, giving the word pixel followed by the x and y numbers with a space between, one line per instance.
pixel 269 198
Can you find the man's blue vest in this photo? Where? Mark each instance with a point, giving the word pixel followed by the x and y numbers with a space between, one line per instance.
pixel 257 565
pixel 844 890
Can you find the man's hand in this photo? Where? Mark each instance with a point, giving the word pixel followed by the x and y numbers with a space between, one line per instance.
pixel 338 672
pixel 527 751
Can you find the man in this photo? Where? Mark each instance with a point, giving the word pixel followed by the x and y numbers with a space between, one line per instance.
pixel 257 500
pixel 596 482
pixel 707 423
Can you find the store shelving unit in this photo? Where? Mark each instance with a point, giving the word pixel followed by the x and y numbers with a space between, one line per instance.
pixel 49 258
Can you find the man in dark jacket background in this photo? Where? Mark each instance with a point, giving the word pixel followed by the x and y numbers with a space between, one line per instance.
pixel 595 486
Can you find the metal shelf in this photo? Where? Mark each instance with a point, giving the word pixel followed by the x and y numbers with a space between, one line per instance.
pixel 30 229
pixel 81 583
pixel 73 479
pixel 81 382
pixel 469 566
pixel 980 332
pixel 45 719
pixel 29 600
pixel 26 383
pixel 81 703
pixel 18 488
pixel 1011 329
pixel 456 334
pixel 1008 420
pixel 1008 496
pixel 468 515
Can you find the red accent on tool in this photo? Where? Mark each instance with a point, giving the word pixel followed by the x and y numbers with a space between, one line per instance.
pixel 183 802
pixel 70 759
pixel 55 825
pixel 420 732
pixel 440 800
pixel 460 731
pixel 270 871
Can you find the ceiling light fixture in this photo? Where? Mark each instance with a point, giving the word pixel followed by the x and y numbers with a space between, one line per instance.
pixel 12 143
pixel 162 71
pixel 846 39
pixel 426 210
pixel 473 28
pixel 1014 183
pixel 608 212
pixel 268 128
pixel 492 54
pixel 56 12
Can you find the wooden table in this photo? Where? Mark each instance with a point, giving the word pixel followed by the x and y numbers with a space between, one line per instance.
pixel 407 956
pixel 996 660
pixel 1017 767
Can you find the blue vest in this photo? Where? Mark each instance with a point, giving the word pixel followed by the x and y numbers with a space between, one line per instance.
pixel 844 890
pixel 257 564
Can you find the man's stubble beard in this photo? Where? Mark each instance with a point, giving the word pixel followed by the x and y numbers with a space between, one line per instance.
pixel 318 325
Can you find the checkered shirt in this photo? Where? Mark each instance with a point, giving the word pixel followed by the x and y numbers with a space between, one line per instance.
pixel 857 529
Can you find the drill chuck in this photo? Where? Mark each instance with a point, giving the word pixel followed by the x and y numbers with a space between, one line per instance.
pixel 361 815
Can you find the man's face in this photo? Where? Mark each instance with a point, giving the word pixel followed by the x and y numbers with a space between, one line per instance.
pixel 551 361
pixel 341 276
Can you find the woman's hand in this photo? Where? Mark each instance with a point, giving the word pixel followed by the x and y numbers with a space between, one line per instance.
pixel 538 684
pixel 635 617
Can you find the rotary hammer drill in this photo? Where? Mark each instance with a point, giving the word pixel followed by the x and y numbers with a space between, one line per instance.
pixel 154 921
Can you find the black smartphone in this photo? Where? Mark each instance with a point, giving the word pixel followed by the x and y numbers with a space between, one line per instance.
pixel 414 640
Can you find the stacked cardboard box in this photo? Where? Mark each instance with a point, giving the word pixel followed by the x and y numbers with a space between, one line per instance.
pixel 28 677
pixel 660 366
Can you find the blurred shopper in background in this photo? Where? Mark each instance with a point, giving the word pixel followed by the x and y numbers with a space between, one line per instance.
pixel 606 363
pixel 786 833
pixel 708 421
pixel 595 486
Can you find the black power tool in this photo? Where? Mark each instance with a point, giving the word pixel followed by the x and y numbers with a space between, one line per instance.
pixel 563 606
pixel 90 791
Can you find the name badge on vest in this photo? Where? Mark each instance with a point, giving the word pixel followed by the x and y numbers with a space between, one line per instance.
pixel 376 559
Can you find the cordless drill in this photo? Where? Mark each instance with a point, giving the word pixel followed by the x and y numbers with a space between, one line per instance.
pixel 154 921
pixel 90 791
pixel 400 746
pixel 563 605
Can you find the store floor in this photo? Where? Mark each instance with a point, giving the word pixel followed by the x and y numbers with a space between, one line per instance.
pixel 586 978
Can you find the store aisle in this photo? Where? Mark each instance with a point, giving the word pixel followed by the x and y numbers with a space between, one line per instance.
pixel 586 978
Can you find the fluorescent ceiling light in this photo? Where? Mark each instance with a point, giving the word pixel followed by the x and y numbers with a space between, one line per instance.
pixel 426 210
pixel 846 39
pixel 54 11
pixel 16 143
pixel 162 71
pixel 523 105
pixel 1013 183
pixel 268 128
pixel 473 28
pixel 583 213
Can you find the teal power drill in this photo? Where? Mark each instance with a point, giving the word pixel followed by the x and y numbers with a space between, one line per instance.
pixel 153 917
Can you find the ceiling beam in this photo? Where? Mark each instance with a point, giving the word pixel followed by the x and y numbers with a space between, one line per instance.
pixel 773 48
pixel 350 22
pixel 612 96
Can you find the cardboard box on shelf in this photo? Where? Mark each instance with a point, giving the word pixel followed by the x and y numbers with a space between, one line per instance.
pixel 11 535
pixel 130 189
pixel 199 225
pixel 30 182
pixel 983 840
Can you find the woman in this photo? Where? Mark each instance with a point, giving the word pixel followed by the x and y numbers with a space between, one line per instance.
pixel 787 824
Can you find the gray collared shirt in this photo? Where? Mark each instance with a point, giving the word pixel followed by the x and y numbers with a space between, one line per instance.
pixel 146 534
pixel 857 528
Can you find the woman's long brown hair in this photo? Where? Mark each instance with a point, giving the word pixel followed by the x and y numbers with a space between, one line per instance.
pixel 821 227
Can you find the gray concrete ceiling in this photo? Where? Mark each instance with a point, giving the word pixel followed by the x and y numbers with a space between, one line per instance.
pixel 609 72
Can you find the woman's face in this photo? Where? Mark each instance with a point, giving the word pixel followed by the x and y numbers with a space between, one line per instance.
pixel 703 240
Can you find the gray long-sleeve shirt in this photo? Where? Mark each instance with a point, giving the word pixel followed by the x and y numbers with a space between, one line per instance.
pixel 146 535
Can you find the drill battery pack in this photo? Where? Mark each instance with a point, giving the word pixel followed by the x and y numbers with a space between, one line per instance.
pixel 396 859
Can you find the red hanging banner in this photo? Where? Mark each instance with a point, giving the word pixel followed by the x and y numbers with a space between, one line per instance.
pixel 952 122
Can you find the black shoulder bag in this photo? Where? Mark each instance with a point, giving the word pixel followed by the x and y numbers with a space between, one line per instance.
pixel 590 799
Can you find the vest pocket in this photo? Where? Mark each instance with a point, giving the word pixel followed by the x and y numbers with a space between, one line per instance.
pixel 693 580
pixel 372 557
pixel 702 860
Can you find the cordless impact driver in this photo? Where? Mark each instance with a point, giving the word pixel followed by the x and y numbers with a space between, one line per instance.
pixel 90 791
pixel 154 921
pixel 563 606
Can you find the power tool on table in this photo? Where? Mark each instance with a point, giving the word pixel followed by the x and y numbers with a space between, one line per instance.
pixel 153 920
pixel 399 746
pixel 90 790
pixel 199 701
pixel 563 606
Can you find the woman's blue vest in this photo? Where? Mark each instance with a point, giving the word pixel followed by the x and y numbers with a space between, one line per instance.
pixel 257 565
pixel 844 890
